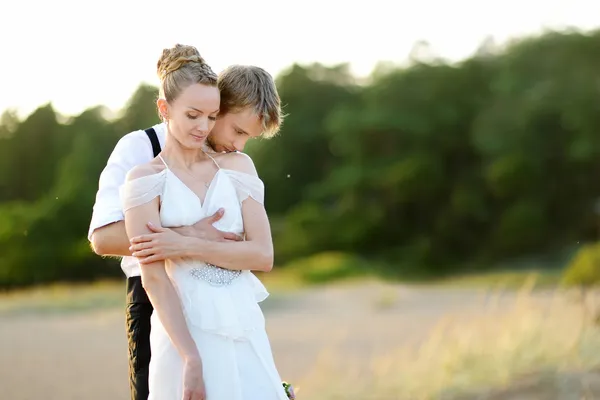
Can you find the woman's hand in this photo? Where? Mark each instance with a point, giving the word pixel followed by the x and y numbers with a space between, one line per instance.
pixel 193 383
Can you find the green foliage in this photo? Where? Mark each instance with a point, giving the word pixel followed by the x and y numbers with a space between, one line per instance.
pixel 584 269
pixel 327 266
pixel 427 167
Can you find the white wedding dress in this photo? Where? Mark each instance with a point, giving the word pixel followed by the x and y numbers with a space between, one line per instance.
pixel 220 306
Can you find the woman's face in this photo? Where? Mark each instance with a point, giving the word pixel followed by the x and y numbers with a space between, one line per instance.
pixel 192 115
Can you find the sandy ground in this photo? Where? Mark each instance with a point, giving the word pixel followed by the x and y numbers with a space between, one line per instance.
pixel 83 355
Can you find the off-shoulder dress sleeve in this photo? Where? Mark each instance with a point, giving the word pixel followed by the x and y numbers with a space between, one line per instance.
pixel 247 185
pixel 141 190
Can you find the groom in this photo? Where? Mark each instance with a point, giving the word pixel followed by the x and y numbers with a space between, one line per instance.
pixel 250 108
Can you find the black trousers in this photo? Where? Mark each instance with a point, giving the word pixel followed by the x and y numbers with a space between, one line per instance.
pixel 138 313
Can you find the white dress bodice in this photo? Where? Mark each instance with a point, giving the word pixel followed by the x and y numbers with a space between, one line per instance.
pixel 215 299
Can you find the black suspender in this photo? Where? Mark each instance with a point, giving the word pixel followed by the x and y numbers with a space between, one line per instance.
pixel 154 140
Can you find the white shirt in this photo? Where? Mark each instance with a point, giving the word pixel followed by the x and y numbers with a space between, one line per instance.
pixel 131 150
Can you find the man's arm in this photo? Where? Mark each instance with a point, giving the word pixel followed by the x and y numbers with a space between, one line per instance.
pixel 107 230
pixel 112 239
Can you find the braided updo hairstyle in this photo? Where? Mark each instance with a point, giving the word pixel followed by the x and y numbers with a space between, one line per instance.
pixel 180 67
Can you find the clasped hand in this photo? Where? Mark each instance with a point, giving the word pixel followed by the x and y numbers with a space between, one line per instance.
pixel 166 243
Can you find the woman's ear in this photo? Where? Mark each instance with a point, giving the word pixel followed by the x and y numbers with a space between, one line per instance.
pixel 163 108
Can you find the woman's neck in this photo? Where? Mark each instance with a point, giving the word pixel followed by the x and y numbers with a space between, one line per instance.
pixel 180 157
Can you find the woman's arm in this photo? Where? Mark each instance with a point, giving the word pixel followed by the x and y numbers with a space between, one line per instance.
pixel 256 252
pixel 155 280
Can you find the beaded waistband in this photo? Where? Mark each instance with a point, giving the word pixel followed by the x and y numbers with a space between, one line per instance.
pixel 215 275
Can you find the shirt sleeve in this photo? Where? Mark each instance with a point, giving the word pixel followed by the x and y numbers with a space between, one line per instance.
pixel 131 150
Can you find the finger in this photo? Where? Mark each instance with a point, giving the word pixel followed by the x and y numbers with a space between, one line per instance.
pixel 143 253
pixel 232 236
pixel 154 228
pixel 140 246
pixel 141 239
pixel 216 216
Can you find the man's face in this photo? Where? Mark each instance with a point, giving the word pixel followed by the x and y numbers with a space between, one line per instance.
pixel 232 130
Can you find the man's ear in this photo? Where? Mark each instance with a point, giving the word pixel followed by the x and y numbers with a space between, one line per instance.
pixel 163 108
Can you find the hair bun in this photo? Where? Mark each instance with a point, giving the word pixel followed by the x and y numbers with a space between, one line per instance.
pixel 174 58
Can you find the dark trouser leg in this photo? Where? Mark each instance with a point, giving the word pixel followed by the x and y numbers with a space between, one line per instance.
pixel 138 314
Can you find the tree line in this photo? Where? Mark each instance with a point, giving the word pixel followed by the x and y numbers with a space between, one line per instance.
pixel 429 166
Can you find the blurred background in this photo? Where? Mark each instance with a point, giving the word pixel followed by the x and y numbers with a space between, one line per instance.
pixel 434 194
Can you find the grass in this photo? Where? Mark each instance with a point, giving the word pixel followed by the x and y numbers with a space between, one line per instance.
pixel 528 349
pixel 509 279
pixel 69 297
pixel 60 298
pixel 538 345
pixel 339 267
pixel 63 298
pixel 300 275
pixel 322 268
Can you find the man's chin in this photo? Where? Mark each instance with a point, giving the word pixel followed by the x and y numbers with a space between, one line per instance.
pixel 219 148
pixel 215 146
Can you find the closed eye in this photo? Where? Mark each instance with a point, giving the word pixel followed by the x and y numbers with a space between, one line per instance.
pixel 196 117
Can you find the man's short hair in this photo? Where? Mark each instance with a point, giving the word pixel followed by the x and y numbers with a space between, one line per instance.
pixel 243 86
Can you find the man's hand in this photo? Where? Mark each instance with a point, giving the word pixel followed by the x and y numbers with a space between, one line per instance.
pixel 165 243
pixel 204 229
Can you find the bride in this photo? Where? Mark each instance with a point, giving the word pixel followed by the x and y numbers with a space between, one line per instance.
pixel 208 337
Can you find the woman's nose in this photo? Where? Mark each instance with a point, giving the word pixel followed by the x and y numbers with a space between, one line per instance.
pixel 203 125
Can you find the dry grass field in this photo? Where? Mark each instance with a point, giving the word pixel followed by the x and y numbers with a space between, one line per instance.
pixel 358 341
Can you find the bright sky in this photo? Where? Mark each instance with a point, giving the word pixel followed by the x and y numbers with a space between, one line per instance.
pixel 77 54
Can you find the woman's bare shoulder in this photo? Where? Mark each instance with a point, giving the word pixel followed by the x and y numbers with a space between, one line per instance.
pixel 152 168
pixel 237 161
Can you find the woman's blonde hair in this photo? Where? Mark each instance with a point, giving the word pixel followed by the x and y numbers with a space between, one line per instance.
pixel 179 67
